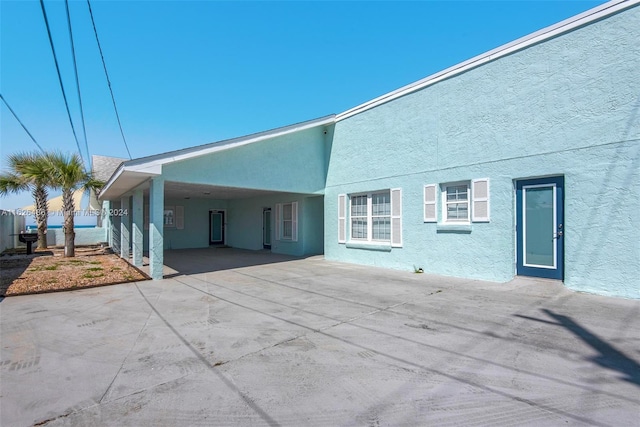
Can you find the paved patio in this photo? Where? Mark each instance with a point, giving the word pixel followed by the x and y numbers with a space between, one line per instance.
pixel 250 338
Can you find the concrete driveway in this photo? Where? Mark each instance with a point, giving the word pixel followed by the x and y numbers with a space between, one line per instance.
pixel 242 338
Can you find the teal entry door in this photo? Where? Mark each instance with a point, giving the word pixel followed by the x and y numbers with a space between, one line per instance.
pixel 216 227
pixel 540 227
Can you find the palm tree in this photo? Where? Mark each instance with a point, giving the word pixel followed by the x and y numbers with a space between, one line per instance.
pixel 68 174
pixel 30 172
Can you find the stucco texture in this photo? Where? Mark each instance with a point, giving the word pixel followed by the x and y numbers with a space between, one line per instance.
pixel 569 106
pixel 290 163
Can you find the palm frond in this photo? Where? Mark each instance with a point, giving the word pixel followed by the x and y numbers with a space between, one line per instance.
pixel 11 182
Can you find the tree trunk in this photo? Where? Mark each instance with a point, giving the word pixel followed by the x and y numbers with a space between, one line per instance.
pixel 69 233
pixel 41 215
pixel 69 243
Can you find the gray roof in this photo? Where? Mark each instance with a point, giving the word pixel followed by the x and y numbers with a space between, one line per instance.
pixel 104 166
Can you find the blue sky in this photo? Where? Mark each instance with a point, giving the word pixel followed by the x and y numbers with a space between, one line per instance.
pixel 188 73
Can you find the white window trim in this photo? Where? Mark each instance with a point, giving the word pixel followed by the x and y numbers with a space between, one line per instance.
pixel 396 216
pixel 475 199
pixel 280 222
pixel 369 218
pixel 443 199
pixel 342 218
pixel 430 202
pixel 472 201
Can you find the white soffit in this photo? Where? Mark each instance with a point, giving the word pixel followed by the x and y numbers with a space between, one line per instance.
pixel 567 25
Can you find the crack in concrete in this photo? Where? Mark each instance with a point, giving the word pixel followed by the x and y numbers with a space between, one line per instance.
pixel 310 330
pixel 247 399
pixel 353 319
pixel 135 342
pixel 47 421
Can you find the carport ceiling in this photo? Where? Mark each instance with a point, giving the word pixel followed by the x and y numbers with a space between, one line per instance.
pixel 181 190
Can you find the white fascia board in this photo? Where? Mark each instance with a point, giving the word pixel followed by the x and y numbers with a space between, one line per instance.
pixel 125 172
pixel 145 163
pixel 567 25
pixel 109 183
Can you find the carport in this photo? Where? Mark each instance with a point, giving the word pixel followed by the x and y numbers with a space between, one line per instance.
pixel 254 192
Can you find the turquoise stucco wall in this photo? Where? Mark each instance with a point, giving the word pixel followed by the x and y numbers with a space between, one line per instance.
pixel 569 106
pixel 290 163
pixel 313 225
pixel 196 223
pixel 245 224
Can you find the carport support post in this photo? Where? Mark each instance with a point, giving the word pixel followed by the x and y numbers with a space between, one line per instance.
pixel 106 221
pixel 138 219
pixel 124 228
pixel 156 227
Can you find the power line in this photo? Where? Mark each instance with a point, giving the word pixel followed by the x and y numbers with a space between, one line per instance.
pixel 21 124
pixel 104 65
pixel 75 69
pixel 55 59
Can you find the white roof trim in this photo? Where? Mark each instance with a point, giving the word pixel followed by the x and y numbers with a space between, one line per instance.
pixel 567 25
pixel 152 165
pixel 187 153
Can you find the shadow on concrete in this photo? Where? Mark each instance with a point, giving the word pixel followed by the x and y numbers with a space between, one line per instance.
pixel 372 349
pixel 207 260
pixel 609 357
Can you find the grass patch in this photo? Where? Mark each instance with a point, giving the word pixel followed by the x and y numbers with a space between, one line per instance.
pixel 51 267
pixel 94 269
pixel 92 276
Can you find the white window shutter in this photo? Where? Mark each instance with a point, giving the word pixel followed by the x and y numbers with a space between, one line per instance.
pixel 294 221
pixel 396 217
pixel 342 218
pixel 180 217
pixel 430 208
pixel 278 220
pixel 480 197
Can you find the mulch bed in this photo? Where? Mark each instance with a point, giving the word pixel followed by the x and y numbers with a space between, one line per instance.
pixel 48 271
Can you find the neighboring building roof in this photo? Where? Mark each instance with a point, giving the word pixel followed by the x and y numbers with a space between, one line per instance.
pixel 542 35
pixel 103 166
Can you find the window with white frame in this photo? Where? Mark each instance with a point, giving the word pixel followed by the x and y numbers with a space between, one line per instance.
pixel 287 221
pixel 371 217
pixel 359 217
pixel 455 202
pixel 462 202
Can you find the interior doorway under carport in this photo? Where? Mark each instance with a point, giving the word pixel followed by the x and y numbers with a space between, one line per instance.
pixel 217 227
pixel 266 228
